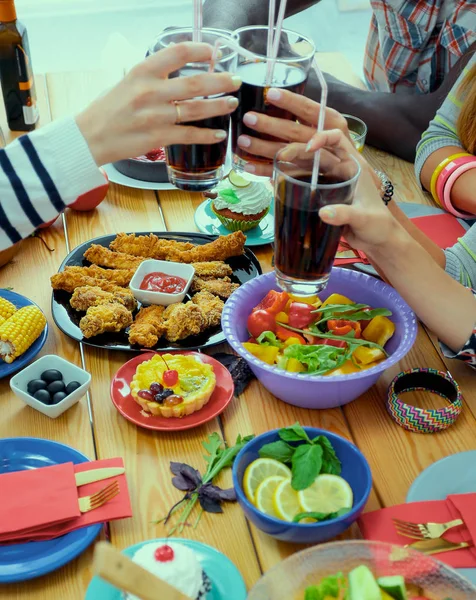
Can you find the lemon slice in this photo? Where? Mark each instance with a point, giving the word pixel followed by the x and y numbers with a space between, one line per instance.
pixel 286 501
pixel 265 494
pixel 258 471
pixel 328 494
pixel 237 180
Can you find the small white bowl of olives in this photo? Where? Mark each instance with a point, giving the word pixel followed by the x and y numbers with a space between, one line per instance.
pixel 51 385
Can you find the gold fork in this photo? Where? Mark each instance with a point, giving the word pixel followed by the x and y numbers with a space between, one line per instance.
pixel 99 498
pixel 437 546
pixel 424 531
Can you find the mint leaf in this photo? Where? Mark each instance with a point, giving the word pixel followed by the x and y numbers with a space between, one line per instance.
pixel 277 450
pixel 321 516
pixel 330 463
pixel 229 196
pixel 306 466
pixel 268 338
pixel 312 593
pixel 294 433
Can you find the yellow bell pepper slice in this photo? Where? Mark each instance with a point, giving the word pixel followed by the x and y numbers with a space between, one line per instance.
pixel 282 317
pixel 337 299
pixel 313 300
pixel 294 366
pixel 292 341
pixel 365 356
pixel 267 354
pixel 379 330
pixel 345 369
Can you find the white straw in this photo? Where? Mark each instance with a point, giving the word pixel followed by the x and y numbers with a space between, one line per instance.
pixel 213 60
pixel 269 47
pixel 320 121
pixel 197 20
pixel 238 49
pixel 277 37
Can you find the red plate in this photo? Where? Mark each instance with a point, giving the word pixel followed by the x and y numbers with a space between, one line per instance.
pixel 129 409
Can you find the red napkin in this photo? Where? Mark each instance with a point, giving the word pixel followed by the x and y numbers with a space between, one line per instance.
pixel 117 508
pixel 37 497
pixel 378 526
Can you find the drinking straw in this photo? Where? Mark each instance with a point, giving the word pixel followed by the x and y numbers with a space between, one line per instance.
pixel 214 57
pixel 269 47
pixel 277 37
pixel 197 20
pixel 320 121
pixel 229 43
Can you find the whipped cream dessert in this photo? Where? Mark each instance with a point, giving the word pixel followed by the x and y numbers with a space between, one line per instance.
pixel 250 200
pixel 177 565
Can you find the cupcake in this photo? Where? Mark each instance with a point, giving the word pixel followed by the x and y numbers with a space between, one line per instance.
pixel 176 564
pixel 241 204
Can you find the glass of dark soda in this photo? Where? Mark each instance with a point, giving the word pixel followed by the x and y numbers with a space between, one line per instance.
pixel 305 246
pixel 290 71
pixel 199 167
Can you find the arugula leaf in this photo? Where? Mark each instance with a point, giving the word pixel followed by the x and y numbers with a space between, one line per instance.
pixel 268 338
pixel 319 359
pixel 224 457
pixel 294 433
pixel 340 308
pixel 278 450
pixel 306 466
pixel 330 463
pixel 212 445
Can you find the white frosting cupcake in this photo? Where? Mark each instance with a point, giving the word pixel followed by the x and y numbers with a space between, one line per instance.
pixel 177 565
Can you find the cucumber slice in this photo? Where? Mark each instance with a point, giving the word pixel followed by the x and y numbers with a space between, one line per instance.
pixel 362 585
pixel 394 586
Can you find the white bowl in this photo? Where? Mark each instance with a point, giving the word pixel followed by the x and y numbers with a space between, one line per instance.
pixel 162 266
pixel 19 382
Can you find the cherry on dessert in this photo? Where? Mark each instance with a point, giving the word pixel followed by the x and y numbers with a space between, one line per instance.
pixel 164 554
pixel 170 377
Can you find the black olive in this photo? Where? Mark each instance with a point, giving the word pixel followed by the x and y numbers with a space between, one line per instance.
pixel 34 385
pixel 43 396
pixel 58 397
pixel 56 386
pixel 71 387
pixel 51 375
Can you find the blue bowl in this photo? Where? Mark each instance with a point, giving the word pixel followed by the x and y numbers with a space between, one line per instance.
pixel 355 470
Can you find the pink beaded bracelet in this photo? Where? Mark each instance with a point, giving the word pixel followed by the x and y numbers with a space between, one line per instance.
pixel 446 199
pixel 447 172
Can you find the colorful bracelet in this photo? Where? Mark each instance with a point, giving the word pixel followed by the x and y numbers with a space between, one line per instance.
pixel 438 170
pixel 446 174
pixel 421 420
pixel 447 204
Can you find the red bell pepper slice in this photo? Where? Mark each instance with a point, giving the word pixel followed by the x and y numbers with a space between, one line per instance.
pixel 274 302
pixel 343 327
pixel 327 342
pixel 284 334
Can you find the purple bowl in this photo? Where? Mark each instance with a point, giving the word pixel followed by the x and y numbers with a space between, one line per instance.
pixel 311 391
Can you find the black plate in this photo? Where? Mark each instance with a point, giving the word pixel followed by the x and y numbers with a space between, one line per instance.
pixel 244 267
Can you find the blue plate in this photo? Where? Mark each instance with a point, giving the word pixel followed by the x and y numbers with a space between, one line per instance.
pixel 207 222
pixel 19 562
pixel 227 582
pixel 455 474
pixel 8 369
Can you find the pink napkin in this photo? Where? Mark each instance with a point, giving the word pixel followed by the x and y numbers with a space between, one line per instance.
pixel 117 508
pixel 378 526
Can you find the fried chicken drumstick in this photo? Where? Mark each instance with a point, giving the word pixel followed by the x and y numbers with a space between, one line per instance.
pixel 148 327
pixel 105 318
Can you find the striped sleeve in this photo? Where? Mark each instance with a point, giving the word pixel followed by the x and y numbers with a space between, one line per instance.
pixel 40 175
pixel 442 130
pixel 468 352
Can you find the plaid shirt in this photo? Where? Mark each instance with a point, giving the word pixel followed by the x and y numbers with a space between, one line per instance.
pixel 412 44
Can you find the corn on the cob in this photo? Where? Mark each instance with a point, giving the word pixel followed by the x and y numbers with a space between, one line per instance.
pixel 20 331
pixel 6 310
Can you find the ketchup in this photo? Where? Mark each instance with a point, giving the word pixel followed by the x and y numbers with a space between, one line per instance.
pixel 161 282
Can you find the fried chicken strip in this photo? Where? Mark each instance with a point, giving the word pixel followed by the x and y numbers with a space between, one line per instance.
pixel 211 308
pixel 219 287
pixel 86 296
pixel 148 327
pixel 148 246
pixel 222 248
pixel 70 280
pixel 182 320
pixel 120 277
pixel 214 268
pixel 99 255
pixel 105 318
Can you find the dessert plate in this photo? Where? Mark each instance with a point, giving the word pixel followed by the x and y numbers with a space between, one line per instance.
pixel 207 222
pixel 130 410
pixel 19 562
pixel 116 177
pixel 227 582
pixel 8 369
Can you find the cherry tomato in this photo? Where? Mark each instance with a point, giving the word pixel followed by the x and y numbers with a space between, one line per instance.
pixel 170 377
pixel 259 321
pixel 274 302
pixel 301 315
pixel 343 327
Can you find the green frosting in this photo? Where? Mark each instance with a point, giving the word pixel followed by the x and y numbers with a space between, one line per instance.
pixel 229 196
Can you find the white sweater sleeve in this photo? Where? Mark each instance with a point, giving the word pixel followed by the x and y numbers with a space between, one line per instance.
pixel 40 175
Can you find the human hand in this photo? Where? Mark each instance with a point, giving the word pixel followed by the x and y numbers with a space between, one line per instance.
pixel 140 112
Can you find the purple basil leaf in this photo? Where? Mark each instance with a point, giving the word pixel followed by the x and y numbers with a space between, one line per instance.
pixel 228 495
pixel 186 472
pixel 211 491
pixel 208 504
pixel 183 484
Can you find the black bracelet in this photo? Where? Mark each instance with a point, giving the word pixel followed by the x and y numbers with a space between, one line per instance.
pixel 387 188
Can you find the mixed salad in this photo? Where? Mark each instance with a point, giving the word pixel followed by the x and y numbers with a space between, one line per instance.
pixel 360 584
pixel 304 335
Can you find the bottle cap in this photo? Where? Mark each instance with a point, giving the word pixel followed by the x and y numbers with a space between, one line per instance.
pixel 7 11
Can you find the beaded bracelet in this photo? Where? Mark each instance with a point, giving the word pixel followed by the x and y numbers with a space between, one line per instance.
pixel 437 171
pixel 421 420
pixel 447 204
pixel 446 173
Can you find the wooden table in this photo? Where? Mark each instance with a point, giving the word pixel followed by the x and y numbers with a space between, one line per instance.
pixel 95 427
